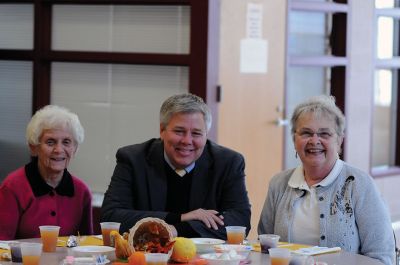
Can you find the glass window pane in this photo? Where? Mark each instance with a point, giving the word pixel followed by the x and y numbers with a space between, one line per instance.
pixel 308 33
pixel 384 129
pixel 384 3
pixel 16 26
pixel 385 37
pixel 15 113
pixel 152 29
pixel 118 105
pixel 318 0
pixel 302 83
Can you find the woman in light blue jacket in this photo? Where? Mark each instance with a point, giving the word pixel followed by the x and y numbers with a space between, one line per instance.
pixel 325 201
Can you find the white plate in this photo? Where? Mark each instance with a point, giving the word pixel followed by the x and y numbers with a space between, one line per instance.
pixel 85 251
pixel 206 244
pixel 86 260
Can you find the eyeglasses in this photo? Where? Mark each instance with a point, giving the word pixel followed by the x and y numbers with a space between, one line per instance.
pixel 51 143
pixel 306 134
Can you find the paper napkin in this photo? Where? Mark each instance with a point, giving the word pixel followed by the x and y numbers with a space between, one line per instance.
pixel 316 250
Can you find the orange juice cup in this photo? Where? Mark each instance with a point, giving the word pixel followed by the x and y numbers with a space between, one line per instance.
pixel 279 256
pixel 106 228
pixel 156 258
pixel 235 234
pixel 49 235
pixel 31 253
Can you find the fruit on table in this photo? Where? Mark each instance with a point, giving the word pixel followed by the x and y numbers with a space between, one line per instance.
pixel 122 249
pixel 199 262
pixel 137 258
pixel 184 250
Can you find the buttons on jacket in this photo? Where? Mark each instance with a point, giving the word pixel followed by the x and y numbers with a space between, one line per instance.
pixel 321 215
pixel 53 213
pixel 321 199
pixel 322 237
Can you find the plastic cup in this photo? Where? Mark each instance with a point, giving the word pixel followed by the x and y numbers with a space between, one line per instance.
pixel 49 235
pixel 106 228
pixel 279 256
pixel 156 258
pixel 31 253
pixel 299 259
pixel 235 234
pixel 15 249
pixel 268 241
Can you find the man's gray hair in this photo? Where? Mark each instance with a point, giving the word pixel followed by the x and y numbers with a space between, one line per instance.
pixel 184 103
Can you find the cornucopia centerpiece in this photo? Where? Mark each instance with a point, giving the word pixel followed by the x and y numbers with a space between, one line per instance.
pixel 151 235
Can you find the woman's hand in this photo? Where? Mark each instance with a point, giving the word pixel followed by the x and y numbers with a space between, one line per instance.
pixel 211 218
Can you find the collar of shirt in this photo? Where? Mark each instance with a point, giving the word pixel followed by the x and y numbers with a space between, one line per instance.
pixel 40 187
pixel 297 180
pixel 187 169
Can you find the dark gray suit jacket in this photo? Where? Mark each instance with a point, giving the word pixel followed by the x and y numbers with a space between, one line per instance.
pixel 138 187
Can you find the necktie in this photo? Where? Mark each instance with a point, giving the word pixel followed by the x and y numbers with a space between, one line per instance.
pixel 180 172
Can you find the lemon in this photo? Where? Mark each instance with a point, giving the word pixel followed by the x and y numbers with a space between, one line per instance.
pixel 184 250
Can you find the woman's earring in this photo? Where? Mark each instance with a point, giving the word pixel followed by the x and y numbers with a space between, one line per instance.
pixel 295 155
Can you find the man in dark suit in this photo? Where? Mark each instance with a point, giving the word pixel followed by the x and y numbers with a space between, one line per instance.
pixel 195 185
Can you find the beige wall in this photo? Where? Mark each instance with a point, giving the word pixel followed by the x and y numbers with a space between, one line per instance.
pixel 249 101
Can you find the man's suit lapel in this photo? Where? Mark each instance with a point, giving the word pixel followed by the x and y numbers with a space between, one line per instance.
pixel 157 180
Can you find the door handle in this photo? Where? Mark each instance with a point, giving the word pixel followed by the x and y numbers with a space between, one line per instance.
pixel 281 122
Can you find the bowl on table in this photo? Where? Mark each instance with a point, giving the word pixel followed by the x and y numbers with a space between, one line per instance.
pixel 223 258
pixel 243 250
pixel 204 245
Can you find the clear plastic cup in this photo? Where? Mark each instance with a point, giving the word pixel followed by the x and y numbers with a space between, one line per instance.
pixel 49 235
pixel 299 259
pixel 279 256
pixel 235 234
pixel 31 253
pixel 156 258
pixel 106 228
pixel 15 249
pixel 268 241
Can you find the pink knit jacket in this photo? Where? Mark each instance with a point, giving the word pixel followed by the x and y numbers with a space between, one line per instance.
pixel 22 212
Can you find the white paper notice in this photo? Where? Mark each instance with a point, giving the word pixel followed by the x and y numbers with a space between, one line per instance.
pixel 254 21
pixel 253 56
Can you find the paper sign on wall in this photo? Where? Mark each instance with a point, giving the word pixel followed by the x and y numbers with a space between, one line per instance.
pixel 254 21
pixel 253 56
pixel 253 49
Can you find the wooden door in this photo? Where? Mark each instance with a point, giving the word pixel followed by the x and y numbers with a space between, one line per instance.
pixel 252 102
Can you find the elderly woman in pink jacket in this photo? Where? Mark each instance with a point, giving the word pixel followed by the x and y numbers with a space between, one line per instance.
pixel 43 192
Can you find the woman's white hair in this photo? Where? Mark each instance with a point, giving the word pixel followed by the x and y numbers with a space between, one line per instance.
pixel 320 105
pixel 54 117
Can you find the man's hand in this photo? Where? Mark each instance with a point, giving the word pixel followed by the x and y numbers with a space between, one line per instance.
pixel 211 218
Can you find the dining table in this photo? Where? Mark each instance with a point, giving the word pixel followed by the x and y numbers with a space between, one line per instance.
pixel 255 258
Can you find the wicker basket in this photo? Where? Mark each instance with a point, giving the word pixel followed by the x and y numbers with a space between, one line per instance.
pixel 147 230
